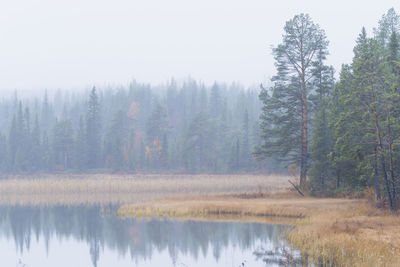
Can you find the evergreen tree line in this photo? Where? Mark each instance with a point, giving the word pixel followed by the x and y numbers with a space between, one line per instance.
pixel 188 128
pixel 341 135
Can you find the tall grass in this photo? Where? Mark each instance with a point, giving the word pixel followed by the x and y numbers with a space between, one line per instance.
pixel 99 188
pixel 359 236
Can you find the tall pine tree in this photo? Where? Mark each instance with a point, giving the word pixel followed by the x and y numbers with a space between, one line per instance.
pixel 286 106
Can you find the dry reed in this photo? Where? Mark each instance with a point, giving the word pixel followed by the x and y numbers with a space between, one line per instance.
pixel 107 188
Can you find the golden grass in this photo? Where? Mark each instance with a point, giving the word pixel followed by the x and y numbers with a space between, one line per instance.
pixel 359 235
pixel 270 205
pixel 119 188
pixel 339 232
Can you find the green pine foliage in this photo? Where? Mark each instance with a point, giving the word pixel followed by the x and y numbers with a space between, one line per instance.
pixel 288 104
pixel 353 122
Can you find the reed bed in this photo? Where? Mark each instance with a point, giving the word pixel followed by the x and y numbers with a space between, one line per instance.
pixel 123 189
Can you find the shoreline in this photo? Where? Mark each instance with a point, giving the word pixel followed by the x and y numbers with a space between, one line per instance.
pixel 347 232
pixel 331 231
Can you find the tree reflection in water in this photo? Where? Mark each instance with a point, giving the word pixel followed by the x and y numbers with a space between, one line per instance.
pixel 140 238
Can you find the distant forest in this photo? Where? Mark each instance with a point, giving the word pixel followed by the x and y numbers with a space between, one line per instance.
pixel 189 128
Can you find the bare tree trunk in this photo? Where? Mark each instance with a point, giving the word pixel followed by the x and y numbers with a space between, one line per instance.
pixel 376 178
pixel 386 182
pixel 392 178
pixel 382 158
pixel 380 148
pixel 304 134
pixel 303 166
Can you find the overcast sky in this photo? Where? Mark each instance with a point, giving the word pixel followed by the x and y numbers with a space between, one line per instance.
pixel 80 43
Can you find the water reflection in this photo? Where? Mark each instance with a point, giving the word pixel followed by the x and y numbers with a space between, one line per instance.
pixel 138 241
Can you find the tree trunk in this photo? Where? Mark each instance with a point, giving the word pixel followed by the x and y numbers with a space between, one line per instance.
pixel 380 152
pixel 382 158
pixel 386 182
pixel 376 178
pixel 392 178
pixel 304 137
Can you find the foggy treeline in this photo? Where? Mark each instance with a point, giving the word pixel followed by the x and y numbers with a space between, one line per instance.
pixel 187 127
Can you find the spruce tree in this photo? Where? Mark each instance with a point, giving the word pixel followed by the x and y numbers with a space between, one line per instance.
pixel 118 135
pixel 3 153
pixel 246 158
pixel 63 144
pixel 36 151
pixel 80 146
pixel 13 142
pixel 93 131
pixel 321 142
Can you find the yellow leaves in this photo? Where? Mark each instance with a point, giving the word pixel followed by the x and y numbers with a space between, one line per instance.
pixel 154 150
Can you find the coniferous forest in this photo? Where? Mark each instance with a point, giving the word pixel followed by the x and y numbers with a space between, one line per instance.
pixel 343 134
pixel 179 128
pixel 339 131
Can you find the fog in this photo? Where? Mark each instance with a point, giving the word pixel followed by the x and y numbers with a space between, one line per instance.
pixel 47 44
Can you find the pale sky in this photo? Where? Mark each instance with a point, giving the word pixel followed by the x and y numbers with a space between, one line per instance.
pixel 72 44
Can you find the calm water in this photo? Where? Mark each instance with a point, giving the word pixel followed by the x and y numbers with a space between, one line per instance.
pixel 92 236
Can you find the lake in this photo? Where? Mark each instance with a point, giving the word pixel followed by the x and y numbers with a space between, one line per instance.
pixel 48 236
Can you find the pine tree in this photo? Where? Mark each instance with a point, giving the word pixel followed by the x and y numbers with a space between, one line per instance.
pixel 246 158
pixel 164 153
pixel 3 153
pixel 389 23
pixel 368 67
pixel 156 128
pixel 393 98
pixel 321 144
pixel 63 144
pixel 46 115
pixel 286 106
pixel 13 144
pixel 80 146
pixel 118 139
pixel 36 151
pixel 364 127
pixel 215 101
pixel 47 155
pixel 93 131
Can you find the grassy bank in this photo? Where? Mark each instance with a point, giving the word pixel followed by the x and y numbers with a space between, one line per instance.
pixel 122 189
pixel 341 231
pixel 359 235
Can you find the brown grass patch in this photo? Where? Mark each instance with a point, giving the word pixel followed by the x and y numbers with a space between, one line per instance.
pixel 359 235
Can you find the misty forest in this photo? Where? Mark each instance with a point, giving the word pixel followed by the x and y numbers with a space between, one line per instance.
pixel 312 147
pixel 187 128
pixel 341 133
